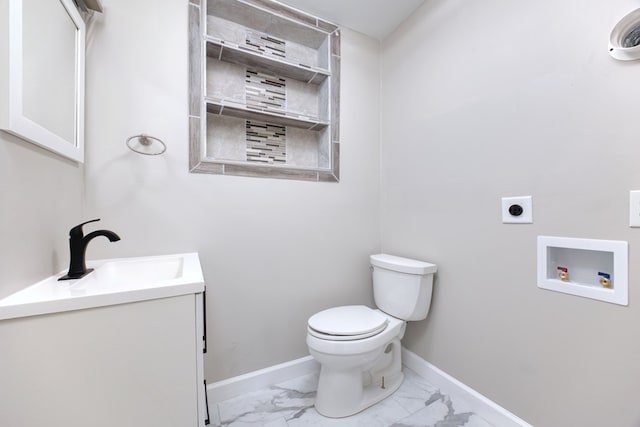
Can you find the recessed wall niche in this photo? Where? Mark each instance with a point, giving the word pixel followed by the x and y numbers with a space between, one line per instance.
pixel 264 88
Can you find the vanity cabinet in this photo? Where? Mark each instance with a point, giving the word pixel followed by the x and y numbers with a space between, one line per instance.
pixel 264 91
pixel 125 365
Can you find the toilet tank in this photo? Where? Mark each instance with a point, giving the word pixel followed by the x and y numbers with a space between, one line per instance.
pixel 401 286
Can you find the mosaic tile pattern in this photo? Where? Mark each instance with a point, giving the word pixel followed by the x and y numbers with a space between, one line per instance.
pixel 266 44
pixel 264 91
pixel 266 142
pixel 290 404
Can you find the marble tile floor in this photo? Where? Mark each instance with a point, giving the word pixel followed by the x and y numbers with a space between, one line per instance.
pixel 290 404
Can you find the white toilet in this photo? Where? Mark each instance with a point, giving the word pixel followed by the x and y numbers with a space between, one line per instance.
pixel 358 348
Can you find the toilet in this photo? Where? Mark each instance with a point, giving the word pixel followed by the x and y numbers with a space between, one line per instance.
pixel 358 347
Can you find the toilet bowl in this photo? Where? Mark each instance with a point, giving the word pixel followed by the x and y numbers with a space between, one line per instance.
pixel 358 347
pixel 353 374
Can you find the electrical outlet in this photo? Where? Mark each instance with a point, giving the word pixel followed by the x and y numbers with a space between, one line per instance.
pixel 517 210
pixel 634 208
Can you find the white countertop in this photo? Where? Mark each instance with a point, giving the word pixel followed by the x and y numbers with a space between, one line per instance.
pixel 114 281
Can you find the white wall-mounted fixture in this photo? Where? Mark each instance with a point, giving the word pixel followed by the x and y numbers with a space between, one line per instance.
pixel 42 74
pixel 590 268
pixel 624 41
pixel 517 210
pixel 634 208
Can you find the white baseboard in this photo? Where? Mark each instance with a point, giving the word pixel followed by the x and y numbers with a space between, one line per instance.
pixel 484 407
pixel 263 378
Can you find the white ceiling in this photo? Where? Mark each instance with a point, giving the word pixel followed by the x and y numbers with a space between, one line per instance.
pixel 376 18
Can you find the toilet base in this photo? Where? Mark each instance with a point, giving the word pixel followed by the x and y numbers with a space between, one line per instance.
pixel 374 394
pixel 345 392
pixel 369 397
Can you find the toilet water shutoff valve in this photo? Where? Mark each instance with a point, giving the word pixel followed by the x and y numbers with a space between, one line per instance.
pixel 563 273
pixel 605 279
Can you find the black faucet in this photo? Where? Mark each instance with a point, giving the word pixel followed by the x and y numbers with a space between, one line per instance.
pixel 78 246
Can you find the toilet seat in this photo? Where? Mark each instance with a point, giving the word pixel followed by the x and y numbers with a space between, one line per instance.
pixel 347 323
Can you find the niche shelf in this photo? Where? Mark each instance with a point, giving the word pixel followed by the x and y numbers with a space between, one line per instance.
pixel 596 269
pixel 241 55
pixel 232 108
pixel 264 86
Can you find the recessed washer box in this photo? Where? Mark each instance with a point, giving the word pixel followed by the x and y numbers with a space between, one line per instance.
pixel 589 268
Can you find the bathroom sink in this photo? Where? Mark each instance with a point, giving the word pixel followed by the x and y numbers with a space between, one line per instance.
pixel 113 281
pixel 142 271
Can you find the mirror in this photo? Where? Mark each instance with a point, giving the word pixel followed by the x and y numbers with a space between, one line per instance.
pixel 42 59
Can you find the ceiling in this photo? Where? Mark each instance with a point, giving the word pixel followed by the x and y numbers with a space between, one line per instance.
pixel 376 18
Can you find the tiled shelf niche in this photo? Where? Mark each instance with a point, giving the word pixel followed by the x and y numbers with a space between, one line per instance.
pixel 264 91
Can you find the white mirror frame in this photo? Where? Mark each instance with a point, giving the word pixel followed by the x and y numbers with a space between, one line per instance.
pixel 12 118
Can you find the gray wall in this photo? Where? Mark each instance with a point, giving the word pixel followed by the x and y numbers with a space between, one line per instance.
pixel 40 195
pixel 273 251
pixel 482 100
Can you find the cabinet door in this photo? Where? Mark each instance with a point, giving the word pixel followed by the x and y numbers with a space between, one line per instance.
pixel 128 365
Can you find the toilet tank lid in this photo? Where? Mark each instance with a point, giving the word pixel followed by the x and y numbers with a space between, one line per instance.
pixel 402 265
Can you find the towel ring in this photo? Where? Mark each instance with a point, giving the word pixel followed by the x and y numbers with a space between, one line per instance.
pixel 147 145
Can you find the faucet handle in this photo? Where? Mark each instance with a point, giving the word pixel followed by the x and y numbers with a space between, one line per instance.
pixel 77 230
